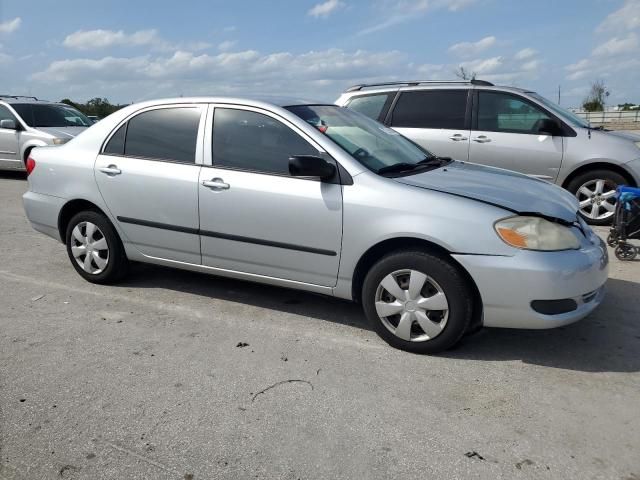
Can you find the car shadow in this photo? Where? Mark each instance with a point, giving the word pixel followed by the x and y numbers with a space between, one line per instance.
pixel 13 175
pixel 608 340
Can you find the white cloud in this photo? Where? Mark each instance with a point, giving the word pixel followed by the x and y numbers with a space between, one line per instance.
pixel 325 9
pixel 96 39
pixel 627 17
pixel 616 46
pixel 308 74
pixel 226 45
pixel 525 53
pixel 10 26
pixel 467 49
pixel 394 12
pixel 5 58
pixel 483 66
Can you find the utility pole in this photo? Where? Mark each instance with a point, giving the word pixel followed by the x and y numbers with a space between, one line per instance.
pixel 558 94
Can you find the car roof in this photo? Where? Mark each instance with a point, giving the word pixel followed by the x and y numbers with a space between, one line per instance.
pixel 19 99
pixel 367 89
pixel 261 101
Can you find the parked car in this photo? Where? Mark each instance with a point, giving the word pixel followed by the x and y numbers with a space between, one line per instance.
pixel 319 198
pixel 510 128
pixel 26 122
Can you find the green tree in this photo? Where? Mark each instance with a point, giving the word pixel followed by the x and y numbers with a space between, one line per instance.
pixel 595 101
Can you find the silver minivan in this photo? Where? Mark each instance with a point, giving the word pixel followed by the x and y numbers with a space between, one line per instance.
pixel 26 123
pixel 510 128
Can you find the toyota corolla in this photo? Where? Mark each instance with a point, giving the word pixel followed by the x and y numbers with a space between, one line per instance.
pixel 319 198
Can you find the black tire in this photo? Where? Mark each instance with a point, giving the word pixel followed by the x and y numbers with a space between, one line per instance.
pixel 608 176
pixel 117 264
pixel 626 252
pixel 453 283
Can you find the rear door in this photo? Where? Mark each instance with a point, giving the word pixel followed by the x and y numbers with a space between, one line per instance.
pixel 9 142
pixel 505 135
pixel 436 119
pixel 148 176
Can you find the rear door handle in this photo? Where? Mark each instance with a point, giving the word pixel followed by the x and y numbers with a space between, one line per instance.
pixel 482 139
pixel 111 170
pixel 457 137
pixel 216 184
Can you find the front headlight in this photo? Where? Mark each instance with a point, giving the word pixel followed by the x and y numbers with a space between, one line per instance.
pixel 535 233
pixel 60 141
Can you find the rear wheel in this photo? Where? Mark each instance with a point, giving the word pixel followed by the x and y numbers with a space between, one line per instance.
pixel 94 248
pixel 417 301
pixel 595 191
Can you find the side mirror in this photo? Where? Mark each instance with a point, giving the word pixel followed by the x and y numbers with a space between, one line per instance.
pixel 311 166
pixel 547 126
pixel 8 124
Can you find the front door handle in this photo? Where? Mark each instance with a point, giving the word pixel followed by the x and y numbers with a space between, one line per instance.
pixel 482 139
pixel 216 184
pixel 111 170
pixel 457 137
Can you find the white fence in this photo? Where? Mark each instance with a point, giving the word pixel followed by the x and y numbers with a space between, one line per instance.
pixel 611 116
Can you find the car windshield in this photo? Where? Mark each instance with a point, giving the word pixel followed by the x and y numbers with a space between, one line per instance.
pixel 563 112
pixel 372 144
pixel 51 115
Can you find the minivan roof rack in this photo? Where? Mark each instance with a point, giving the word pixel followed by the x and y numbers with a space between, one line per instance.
pixel 413 83
pixel 17 96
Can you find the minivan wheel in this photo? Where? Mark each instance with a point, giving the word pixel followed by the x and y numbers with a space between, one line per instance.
pixel 595 191
pixel 94 248
pixel 417 301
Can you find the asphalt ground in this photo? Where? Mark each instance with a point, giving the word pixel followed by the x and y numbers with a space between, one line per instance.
pixel 177 375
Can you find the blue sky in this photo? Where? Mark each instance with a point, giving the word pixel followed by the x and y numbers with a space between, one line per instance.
pixel 138 49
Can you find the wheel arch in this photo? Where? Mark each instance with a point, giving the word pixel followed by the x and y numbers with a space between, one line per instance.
pixel 28 146
pixel 72 207
pixel 600 165
pixel 385 247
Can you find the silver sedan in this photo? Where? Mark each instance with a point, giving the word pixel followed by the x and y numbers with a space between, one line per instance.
pixel 319 198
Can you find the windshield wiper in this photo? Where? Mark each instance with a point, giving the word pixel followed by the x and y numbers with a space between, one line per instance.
pixel 433 162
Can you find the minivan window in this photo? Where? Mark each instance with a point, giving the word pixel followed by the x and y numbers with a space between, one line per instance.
pixel 431 109
pixel 501 112
pixel 561 112
pixel 373 106
pixel 164 134
pixel 5 114
pixel 249 140
pixel 51 115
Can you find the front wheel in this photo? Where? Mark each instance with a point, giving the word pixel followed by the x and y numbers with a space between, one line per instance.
pixel 596 194
pixel 417 301
pixel 94 248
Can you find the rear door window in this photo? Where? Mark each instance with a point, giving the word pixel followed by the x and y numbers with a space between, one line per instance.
pixel 115 146
pixel 445 109
pixel 164 134
pixel 373 106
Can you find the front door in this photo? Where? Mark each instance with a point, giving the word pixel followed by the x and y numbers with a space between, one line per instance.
pixel 257 219
pixel 435 119
pixel 9 142
pixel 148 176
pixel 505 135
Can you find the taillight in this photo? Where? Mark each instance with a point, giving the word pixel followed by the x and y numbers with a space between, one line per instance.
pixel 31 164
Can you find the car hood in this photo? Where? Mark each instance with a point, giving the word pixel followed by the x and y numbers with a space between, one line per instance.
pixel 509 190
pixel 62 132
pixel 626 135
